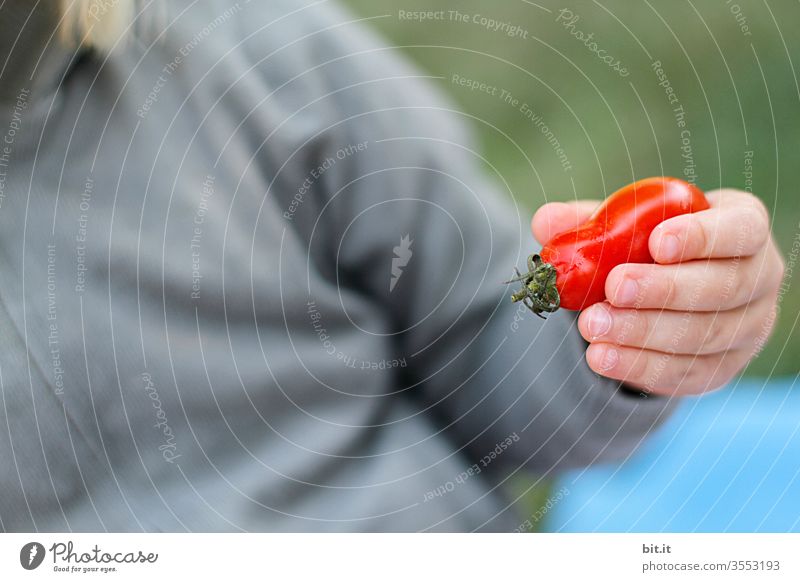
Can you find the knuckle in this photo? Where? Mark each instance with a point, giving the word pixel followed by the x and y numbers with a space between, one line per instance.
pixel 742 294
pixel 703 242
pixel 753 228
pixel 738 289
pixel 633 327
pixel 640 366
pixel 669 291
pixel 714 337
pixel 752 327
pixel 643 325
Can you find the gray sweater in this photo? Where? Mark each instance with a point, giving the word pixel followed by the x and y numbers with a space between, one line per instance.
pixel 251 281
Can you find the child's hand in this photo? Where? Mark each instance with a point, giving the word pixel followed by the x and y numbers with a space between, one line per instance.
pixel 692 321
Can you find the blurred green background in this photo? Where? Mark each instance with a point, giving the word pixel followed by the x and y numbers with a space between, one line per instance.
pixel 729 64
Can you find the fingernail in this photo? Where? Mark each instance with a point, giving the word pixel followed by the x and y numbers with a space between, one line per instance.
pixel 670 247
pixel 610 359
pixel 627 292
pixel 599 322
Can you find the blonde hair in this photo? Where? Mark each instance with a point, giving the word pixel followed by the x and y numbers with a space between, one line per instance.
pixel 96 23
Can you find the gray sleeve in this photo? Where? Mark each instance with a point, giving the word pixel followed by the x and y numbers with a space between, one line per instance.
pixel 486 369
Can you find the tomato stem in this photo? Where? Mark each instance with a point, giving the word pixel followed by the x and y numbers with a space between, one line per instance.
pixel 538 292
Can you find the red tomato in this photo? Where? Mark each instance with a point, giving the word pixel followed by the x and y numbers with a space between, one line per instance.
pixel 572 268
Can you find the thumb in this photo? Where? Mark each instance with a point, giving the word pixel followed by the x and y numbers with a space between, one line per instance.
pixel 557 217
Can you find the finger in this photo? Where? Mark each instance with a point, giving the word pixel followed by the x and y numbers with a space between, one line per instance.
pixel 677 331
pixel 664 373
pixel 737 224
pixel 557 217
pixel 705 285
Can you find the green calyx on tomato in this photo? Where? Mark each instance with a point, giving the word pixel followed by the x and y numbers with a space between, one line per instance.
pixel 572 267
pixel 539 292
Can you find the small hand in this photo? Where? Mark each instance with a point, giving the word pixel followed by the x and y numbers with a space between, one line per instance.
pixel 690 322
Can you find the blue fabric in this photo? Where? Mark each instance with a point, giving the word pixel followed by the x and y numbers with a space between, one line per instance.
pixel 729 461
